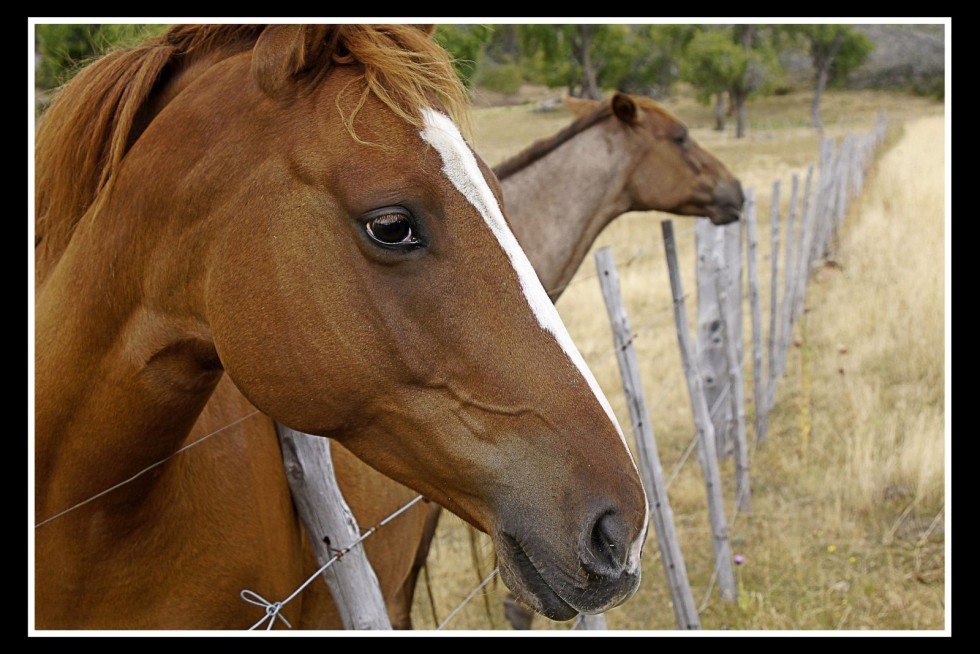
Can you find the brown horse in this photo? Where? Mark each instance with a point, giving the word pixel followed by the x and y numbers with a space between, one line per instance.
pixel 290 207
pixel 658 170
pixel 628 153
pixel 658 166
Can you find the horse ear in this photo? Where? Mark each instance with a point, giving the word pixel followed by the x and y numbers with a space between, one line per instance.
pixel 625 108
pixel 284 51
pixel 580 106
pixel 428 29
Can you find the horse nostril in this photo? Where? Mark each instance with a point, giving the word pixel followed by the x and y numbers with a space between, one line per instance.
pixel 729 199
pixel 608 546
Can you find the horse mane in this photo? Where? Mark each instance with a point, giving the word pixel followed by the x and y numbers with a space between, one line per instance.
pixel 96 117
pixel 545 146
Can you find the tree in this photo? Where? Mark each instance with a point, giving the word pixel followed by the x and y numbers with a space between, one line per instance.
pixel 466 43
pixel 585 58
pixel 657 51
pixel 739 60
pixel 836 50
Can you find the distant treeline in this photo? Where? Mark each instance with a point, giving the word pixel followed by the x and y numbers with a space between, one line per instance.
pixel 726 64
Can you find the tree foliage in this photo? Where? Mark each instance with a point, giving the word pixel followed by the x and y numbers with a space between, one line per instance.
pixel 718 60
pixel 835 50
pixel 582 58
pixel 841 47
pixel 657 54
pixel 739 60
pixel 466 43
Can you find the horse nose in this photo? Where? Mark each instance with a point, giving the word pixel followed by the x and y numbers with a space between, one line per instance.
pixel 607 545
pixel 739 195
pixel 729 199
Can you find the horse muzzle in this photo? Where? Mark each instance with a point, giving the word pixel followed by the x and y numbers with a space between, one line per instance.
pixel 729 198
pixel 601 571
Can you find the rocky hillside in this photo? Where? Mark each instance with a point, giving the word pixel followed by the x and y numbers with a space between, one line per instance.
pixel 906 57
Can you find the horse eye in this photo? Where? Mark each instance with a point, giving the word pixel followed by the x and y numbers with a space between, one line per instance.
pixel 391 228
pixel 681 139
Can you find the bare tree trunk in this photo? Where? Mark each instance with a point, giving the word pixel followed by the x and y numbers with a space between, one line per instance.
pixel 739 101
pixel 720 112
pixel 818 93
pixel 823 65
pixel 742 89
pixel 590 85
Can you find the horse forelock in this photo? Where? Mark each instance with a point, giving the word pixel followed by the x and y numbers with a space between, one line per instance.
pixel 403 68
pixel 95 119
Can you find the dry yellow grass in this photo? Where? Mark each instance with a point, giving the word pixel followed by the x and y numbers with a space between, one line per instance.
pixel 846 533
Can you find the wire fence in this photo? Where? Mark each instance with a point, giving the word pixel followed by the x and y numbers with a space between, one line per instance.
pixel 273 610
pixel 842 172
pixel 662 315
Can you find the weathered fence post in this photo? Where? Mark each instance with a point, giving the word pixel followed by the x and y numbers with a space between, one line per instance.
pixel 806 237
pixel 845 162
pixel 774 212
pixel 712 362
pixel 702 422
pixel 646 446
pixel 785 309
pixel 825 201
pixel 758 383
pixel 742 490
pixel 331 526
pixel 594 622
pixel 734 235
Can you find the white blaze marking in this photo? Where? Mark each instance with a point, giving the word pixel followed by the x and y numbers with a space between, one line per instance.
pixel 459 165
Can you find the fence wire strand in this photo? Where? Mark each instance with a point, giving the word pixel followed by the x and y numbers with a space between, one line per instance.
pixel 637 255
pixel 144 470
pixel 273 609
pixel 468 599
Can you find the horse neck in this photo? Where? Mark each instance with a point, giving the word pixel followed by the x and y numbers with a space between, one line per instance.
pixel 559 204
pixel 121 370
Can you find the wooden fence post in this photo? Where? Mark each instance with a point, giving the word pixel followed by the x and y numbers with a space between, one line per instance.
pixel 712 361
pixel 806 237
pixel 594 622
pixel 758 383
pixel 742 490
pixel 785 309
pixel 702 422
pixel 843 191
pixel 325 514
pixel 734 235
pixel 774 212
pixel 653 477
pixel 825 203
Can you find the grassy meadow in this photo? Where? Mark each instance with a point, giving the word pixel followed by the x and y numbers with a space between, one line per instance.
pixel 847 523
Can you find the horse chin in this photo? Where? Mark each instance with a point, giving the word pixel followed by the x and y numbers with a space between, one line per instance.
pixel 528 584
pixel 555 599
pixel 724 215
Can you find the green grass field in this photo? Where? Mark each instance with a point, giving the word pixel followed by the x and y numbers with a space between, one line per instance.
pixel 847 522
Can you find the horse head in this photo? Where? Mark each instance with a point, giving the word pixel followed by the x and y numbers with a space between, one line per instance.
pixel 304 216
pixel 671 171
